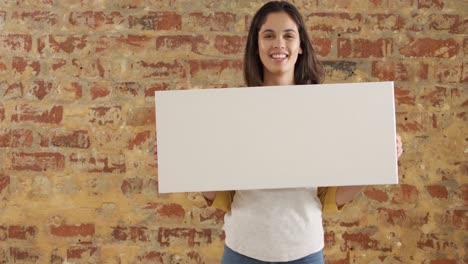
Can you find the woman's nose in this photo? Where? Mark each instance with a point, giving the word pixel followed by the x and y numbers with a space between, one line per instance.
pixel 279 43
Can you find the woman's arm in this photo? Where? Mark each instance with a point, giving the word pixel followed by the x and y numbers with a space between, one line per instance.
pixel 345 194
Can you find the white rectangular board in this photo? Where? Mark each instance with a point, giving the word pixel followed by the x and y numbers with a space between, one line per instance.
pixel 276 137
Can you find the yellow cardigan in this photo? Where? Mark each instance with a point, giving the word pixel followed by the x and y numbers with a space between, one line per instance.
pixel 327 196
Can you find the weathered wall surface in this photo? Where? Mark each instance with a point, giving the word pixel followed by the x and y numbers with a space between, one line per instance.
pixel 77 82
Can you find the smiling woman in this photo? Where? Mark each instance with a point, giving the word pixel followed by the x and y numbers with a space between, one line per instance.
pixel 281 225
pixel 279 45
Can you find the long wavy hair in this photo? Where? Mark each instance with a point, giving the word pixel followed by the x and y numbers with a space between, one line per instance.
pixel 307 70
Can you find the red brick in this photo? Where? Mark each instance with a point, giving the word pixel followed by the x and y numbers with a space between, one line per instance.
pixel 135 43
pixel 453 24
pixel 133 233
pixel 23 254
pixel 149 92
pixel 169 70
pixel 364 48
pixel 139 139
pixel 79 252
pixel 55 258
pixel 404 97
pixel 448 72
pixel 442 261
pixel 67 139
pixel 16 138
pixel 399 71
pixel 141 116
pixel 193 237
pixel 103 115
pixel 25 113
pixel 217 66
pixel 132 186
pixel 386 21
pixel 219 21
pixel 411 121
pixel 4 182
pixel 16 42
pixel 73 230
pixel 435 97
pixel 462 193
pixel 457 218
pixel 437 191
pixel 72 90
pixel 436 4
pixel 35 18
pixel 217 215
pixel 3 64
pixel 12 91
pixel 322 46
pixel 2 114
pixel 41 89
pixel 38 161
pixel 335 22
pixel 405 193
pixel 127 88
pixel 393 216
pixel 361 240
pixel 229 45
pixel 464 78
pixel 21 64
pixel 22 232
pixel 175 212
pixel 152 256
pixel 60 43
pixel 95 20
pixel 428 47
pixel 100 90
pixel 98 163
pixel 157 21
pixel 376 194
pixel 3 15
pixel 195 43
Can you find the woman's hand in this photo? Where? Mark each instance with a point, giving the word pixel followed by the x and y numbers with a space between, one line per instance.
pixel 209 195
pixel 399 146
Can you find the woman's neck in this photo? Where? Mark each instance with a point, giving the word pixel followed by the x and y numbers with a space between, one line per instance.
pixel 276 80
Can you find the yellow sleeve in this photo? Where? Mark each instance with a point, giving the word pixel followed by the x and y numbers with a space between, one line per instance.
pixel 223 200
pixel 327 196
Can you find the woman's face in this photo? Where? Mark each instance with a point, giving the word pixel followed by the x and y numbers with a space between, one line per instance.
pixel 279 45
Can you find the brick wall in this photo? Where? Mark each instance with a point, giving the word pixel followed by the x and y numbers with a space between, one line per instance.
pixel 77 82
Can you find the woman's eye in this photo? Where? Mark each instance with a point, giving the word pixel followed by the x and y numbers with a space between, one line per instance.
pixel 268 36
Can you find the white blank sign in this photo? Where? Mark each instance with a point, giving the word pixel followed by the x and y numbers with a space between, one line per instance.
pixel 276 137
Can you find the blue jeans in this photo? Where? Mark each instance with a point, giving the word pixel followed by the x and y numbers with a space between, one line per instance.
pixel 232 257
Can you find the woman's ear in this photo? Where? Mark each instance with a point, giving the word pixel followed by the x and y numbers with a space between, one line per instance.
pixel 300 50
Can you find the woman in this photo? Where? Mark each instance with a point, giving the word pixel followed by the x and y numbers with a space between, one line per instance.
pixel 282 225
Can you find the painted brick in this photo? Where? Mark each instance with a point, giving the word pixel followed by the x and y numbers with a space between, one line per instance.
pixel 219 21
pixel 38 161
pixel 16 138
pixel 26 113
pixel 73 230
pixel 364 48
pixel 96 19
pixel 399 71
pixel 428 47
pixel 157 21
pixel 16 42
pixel 335 22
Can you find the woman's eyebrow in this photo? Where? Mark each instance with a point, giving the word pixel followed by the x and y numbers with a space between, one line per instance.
pixel 272 31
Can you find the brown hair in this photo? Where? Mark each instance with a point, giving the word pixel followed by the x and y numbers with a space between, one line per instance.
pixel 307 70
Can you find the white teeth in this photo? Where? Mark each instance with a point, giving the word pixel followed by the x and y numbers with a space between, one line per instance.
pixel 278 56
